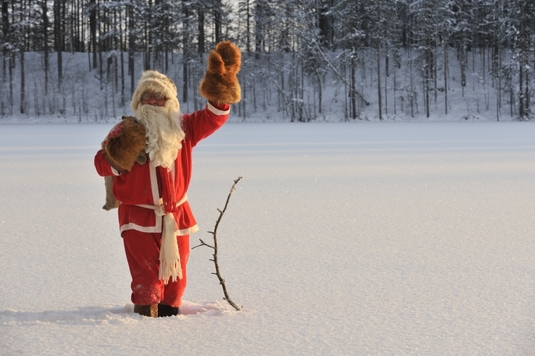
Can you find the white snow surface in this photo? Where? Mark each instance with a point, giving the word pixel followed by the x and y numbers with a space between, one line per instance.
pixel 395 238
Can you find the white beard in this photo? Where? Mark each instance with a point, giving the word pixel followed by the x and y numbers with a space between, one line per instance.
pixel 164 133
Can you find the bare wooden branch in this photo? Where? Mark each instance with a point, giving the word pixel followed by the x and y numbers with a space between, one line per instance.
pixel 214 247
pixel 203 244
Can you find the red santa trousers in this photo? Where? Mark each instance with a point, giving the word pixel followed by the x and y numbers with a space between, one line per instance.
pixel 143 256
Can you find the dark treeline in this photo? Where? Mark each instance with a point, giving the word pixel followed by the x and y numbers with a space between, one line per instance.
pixel 300 56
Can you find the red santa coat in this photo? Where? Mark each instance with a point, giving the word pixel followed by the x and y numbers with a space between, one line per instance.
pixel 142 186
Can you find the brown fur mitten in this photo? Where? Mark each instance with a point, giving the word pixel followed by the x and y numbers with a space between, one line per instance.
pixel 220 84
pixel 124 143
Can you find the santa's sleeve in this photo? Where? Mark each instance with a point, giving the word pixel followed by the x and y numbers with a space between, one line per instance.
pixel 103 167
pixel 203 123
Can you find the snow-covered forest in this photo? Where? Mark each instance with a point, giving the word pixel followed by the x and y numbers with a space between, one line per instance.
pixel 302 60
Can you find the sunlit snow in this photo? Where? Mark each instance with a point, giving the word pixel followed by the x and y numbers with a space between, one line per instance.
pixel 341 239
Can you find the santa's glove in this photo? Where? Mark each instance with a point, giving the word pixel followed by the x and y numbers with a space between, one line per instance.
pixel 124 144
pixel 220 84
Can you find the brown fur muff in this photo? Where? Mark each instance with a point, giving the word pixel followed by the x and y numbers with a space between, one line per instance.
pixel 220 84
pixel 121 151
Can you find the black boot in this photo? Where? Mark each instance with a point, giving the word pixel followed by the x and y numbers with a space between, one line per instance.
pixel 167 310
pixel 147 310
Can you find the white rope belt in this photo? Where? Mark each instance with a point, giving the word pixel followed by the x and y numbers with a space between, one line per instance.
pixel 159 209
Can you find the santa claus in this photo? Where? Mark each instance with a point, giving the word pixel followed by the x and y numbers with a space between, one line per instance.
pixel 149 157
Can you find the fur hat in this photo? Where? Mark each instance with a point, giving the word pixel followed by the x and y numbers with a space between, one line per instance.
pixel 152 80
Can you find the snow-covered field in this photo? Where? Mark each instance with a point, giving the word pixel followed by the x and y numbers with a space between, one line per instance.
pixel 341 239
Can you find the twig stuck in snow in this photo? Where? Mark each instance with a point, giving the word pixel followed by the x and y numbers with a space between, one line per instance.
pixel 214 247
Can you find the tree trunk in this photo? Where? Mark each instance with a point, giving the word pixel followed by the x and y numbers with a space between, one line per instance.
pixel 121 57
pixel 248 25
pixel 45 43
pixel 320 93
pixel 22 48
pixel 6 30
pixel 10 98
pixel 200 28
pixel 521 108
pixel 93 30
pixel 217 20
pixel 427 77
pixel 446 69
pixel 325 23
pixel 353 96
pixel 463 66
pixel 379 99
pixel 259 28
pixel 185 51
pixel 100 45
pixel 22 84
pixel 131 48
pixel 58 40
